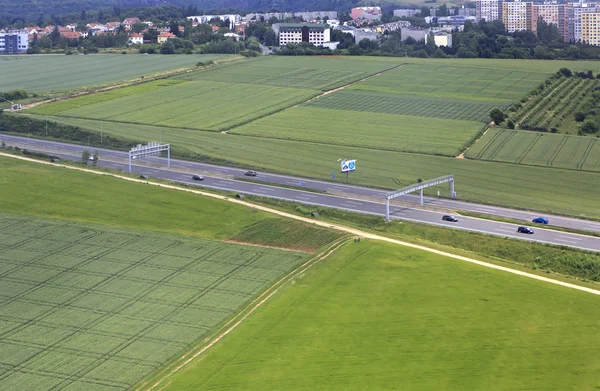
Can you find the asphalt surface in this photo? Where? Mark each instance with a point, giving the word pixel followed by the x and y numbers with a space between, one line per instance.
pixel 356 199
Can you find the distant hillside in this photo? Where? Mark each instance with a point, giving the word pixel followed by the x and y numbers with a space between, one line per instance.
pixel 30 10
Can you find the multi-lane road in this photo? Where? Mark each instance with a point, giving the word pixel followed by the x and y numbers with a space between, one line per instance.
pixel 330 194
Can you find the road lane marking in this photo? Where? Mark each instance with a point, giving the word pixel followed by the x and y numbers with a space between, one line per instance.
pixel 566 241
pixel 570 238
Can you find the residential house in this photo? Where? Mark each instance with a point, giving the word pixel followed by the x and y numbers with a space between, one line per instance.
pixel 164 36
pixel 14 41
pixel 135 39
pixel 129 22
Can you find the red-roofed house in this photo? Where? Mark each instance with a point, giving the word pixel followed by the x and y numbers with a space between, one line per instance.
pixel 136 39
pixel 215 28
pixel 164 36
pixel 71 34
pixel 181 29
pixel 113 26
pixel 128 22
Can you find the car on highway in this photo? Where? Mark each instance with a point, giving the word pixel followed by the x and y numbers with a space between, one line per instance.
pixel 250 173
pixel 449 218
pixel 198 178
pixel 540 220
pixel 525 230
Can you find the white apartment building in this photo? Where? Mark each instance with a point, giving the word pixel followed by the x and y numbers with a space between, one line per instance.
pixel 315 33
pixel 488 10
pixel 14 41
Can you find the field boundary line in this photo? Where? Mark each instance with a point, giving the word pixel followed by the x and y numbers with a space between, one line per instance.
pixel 251 308
pixel 586 154
pixel 346 229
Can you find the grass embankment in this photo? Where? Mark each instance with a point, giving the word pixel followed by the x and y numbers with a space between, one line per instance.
pixel 376 317
pixel 582 265
pixel 44 191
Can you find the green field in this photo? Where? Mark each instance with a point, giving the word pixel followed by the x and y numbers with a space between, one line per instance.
pixel 54 73
pixel 539 149
pixel 444 81
pixel 374 316
pixel 403 133
pixel 89 307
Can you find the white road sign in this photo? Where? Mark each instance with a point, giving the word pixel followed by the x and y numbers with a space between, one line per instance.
pixel 348 165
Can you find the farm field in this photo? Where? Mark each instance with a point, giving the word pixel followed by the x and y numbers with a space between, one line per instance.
pixel 203 105
pixel 319 73
pixel 404 133
pixel 426 322
pixel 552 108
pixel 539 149
pixel 64 73
pixel 387 103
pixel 538 66
pixel 482 181
pixel 443 81
pixel 89 307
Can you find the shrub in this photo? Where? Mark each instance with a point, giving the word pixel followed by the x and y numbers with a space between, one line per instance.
pixel 589 126
pixel 510 124
pixel 579 116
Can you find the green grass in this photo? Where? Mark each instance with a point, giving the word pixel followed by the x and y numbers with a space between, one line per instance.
pixel 539 149
pixel 443 80
pixel 90 307
pixel 319 73
pixel 535 66
pixel 388 103
pixel 199 105
pixel 62 73
pixel 288 234
pixel 375 316
pixel 498 183
pixel 390 132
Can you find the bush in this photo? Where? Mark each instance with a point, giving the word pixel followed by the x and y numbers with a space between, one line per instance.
pixel 565 72
pixel 589 126
pixel 510 124
pixel 497 116
pixel 579 116
pixel 15 95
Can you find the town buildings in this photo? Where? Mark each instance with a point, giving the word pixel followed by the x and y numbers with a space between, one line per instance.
pixel 518 15
pixel 14 41
pixel 590 28
pixel 315 33
pixel 488 10
pixel 367 13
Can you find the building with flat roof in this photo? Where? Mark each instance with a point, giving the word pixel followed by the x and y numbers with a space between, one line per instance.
pixel 574 19
pixel 590 28
pixel 315 33
pixel 488 10
pixel 14 42
pixel 416 33
pixel 368 13
pixel 518 15
pixel 552 13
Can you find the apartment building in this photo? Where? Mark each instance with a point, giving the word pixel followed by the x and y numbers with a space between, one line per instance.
pixel 315 33
pixel 518 15
pixel 574 18
pixel 552 13
pixel 14 41
pixel 488 10
pixel 590 28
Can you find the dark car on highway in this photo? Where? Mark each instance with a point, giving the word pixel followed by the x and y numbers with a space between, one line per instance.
pixel 540 220
pixel 250 173
pixel 198 178
pixel 525 230
pixel 449 218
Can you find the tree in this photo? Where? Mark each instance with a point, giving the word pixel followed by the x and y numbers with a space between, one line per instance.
pixel 85 156
pixel 55 35
pixel 83 16
pixel 589 126
pixel 167 48
pixel 443 10
pixel 497 116
pixel 95 157
pixel 579 116
pixel 565 72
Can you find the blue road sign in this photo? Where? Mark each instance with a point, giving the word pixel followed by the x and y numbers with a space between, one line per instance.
pixel 332 176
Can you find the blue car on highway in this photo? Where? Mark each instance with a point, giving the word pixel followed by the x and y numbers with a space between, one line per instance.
pixel 540 220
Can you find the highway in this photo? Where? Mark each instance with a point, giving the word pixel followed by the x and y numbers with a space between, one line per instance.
pixel 347 197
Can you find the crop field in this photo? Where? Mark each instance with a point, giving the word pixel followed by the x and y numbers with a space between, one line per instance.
pixel 426 323
pixel 64 73
pixel 552 109
pixel 539 149
pixel 483 181
pixel 287 234
pixel 478 84
pixel 319 73
pixel 366 129
pixel 203 105
pixel 89 307
pixel 374 102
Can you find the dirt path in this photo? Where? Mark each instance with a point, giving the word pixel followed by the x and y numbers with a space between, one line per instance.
pixel 462 155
